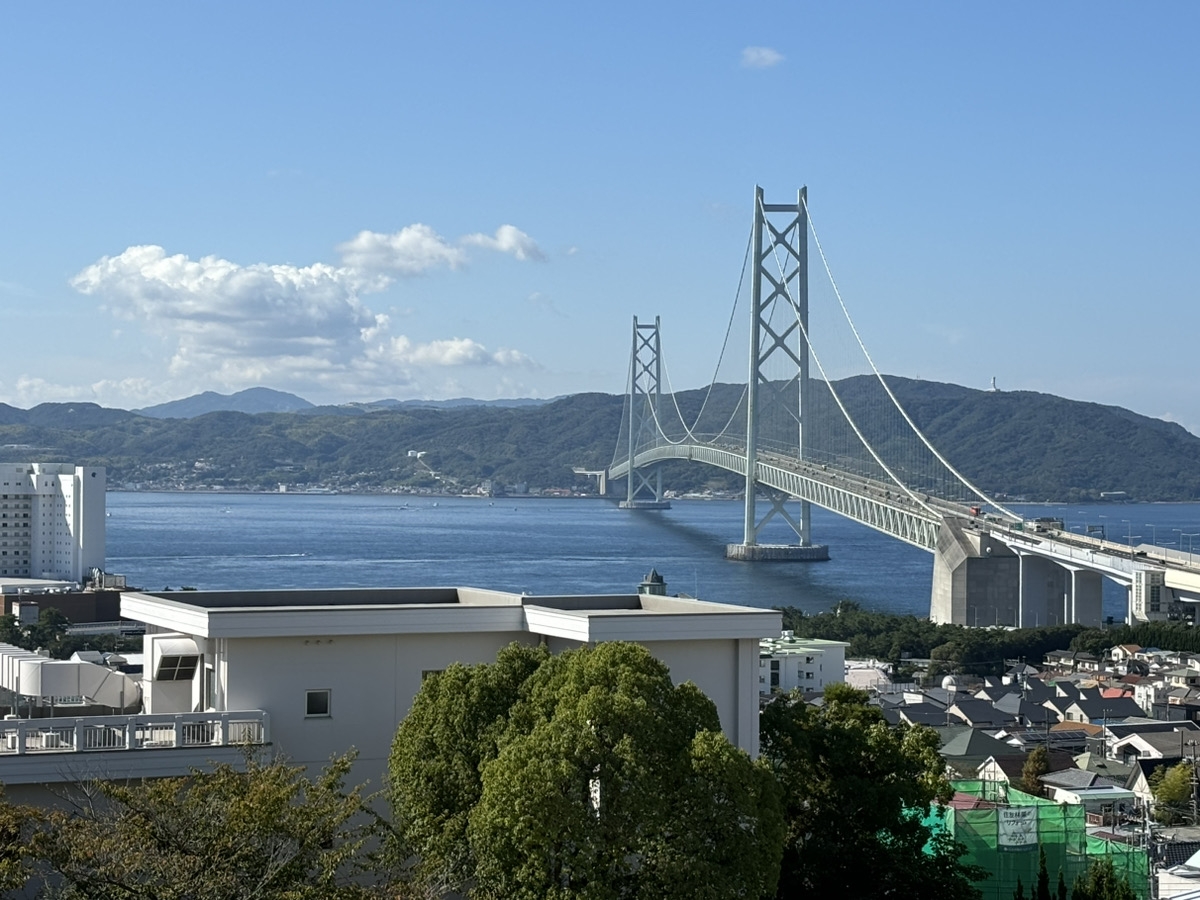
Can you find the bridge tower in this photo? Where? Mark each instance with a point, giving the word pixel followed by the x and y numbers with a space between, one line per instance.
pixel 645 391
pixel 780 247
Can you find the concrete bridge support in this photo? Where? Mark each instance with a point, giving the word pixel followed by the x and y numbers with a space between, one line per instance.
pixel 979 580
pixel 976 580
pixel 1056 594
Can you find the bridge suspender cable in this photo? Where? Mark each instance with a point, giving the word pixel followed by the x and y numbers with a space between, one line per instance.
pixel 903 412
pixel 716 371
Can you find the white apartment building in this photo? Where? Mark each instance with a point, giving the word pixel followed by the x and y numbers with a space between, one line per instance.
pixel 316 672
pixel 786 663
pixel 51 520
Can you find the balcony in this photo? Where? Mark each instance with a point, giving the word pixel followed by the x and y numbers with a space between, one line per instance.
pixel 139 746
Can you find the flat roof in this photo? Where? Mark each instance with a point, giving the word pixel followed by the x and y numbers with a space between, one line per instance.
pixel 346 611
pixel 35 585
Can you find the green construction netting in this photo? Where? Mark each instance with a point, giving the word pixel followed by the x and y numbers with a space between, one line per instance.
pixel 1004 840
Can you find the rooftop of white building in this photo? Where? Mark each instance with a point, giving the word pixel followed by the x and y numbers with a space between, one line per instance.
pixel 347 611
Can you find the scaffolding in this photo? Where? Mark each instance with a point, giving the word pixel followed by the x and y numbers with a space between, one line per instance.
pixel 1002 829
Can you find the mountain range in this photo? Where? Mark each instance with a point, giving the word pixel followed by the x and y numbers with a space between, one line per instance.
pixel 266 400
pixel 1016 443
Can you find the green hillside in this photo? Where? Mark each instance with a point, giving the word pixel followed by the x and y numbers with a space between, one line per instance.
pixel 1018 443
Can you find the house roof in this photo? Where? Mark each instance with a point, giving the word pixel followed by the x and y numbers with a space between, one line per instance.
pixel 943 696
pixel 921 713
pixel 1028 711
pixel 1066 689
pixel 995 692
pixel 979 712
pixel 971 743
pixel 1070 778
pixel 1101 765
pixel 1166 743
pixel 1144 725
pixel 1109 707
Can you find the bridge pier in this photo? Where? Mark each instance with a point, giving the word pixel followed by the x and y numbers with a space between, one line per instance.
pixel 979 580
pixel 777 552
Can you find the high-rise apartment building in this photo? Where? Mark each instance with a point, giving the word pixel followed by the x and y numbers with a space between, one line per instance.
pixel 51 520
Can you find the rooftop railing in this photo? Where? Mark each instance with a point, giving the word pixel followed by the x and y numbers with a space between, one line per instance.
pixel 89 734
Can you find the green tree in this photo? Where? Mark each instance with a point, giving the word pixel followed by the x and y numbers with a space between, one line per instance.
pixel 10 630
pixel 266 832
pixel 1101 882
pixel 1037 764
pixel 1172 791
pixel 600 779
pixel 855 793
pixel 17 825
pixel 1061 892
pixel 1019 893
pixel 453 728
pixel 614 782
pixel 1042 891
pixel 50 628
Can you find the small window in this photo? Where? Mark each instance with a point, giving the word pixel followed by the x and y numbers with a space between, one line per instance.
pixel 316 704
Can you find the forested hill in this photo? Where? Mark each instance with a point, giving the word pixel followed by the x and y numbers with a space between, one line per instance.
pixel 1018 443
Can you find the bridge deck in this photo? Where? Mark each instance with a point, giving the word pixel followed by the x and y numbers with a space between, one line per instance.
pixel 872 503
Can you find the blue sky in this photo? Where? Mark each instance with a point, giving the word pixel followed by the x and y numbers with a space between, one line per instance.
pixel 362 201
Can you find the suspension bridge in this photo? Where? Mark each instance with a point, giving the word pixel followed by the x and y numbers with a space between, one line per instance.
pixel 812 421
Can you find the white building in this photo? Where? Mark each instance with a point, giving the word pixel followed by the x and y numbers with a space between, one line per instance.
pixel 315 673
pixel 787 662
pixel 51 520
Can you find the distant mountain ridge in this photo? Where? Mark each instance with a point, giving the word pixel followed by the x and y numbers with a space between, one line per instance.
pixel 267 400
pixel 1017 443
pixel 252 400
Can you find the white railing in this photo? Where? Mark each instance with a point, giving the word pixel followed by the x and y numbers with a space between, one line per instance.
pixel 87 734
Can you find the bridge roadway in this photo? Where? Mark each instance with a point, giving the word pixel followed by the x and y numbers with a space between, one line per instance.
pixel 872 503
pixel 892 511
pixel 1119 562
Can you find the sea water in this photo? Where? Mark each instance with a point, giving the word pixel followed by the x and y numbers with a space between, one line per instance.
pixel 226 541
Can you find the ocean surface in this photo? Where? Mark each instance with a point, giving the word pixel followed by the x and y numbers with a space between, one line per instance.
pixel 223 541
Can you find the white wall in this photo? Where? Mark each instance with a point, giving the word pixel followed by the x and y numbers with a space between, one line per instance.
pixel 372 678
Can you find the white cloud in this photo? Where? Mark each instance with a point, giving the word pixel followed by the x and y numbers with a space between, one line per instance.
pixel 508 239
pixel 412 250
pixel 760 58
pixel 29 391
pixel 230 325
pixel 451 352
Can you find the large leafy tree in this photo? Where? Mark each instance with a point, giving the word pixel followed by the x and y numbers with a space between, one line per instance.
pixel 603 779
pixel 453 728
pixel 855 792
pixel 265 832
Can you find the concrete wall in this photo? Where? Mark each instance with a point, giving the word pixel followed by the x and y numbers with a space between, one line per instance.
pixel 976 579
pixel 372 681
